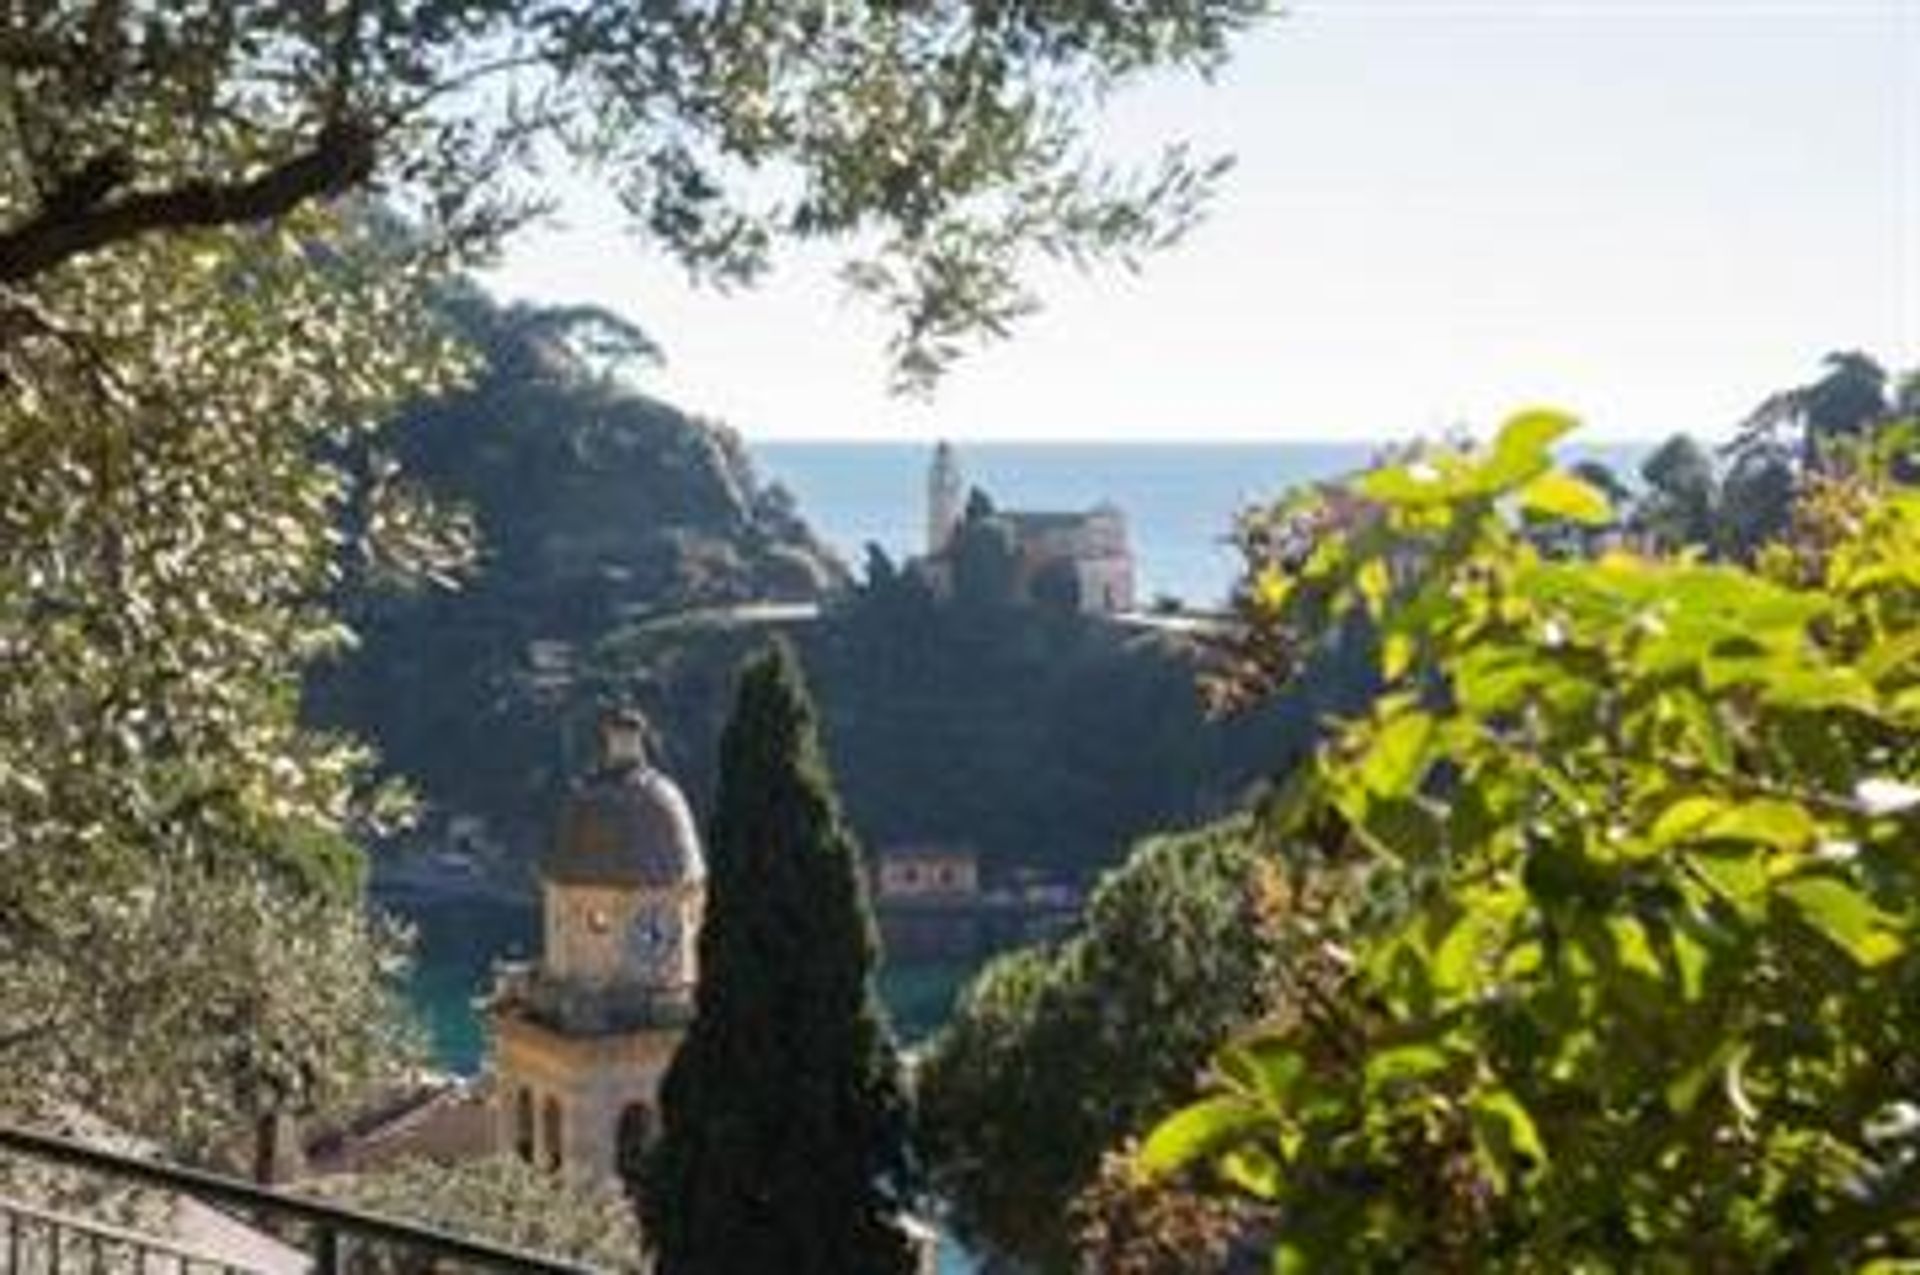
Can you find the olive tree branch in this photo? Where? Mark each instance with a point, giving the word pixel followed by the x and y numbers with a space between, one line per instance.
pixel 81 216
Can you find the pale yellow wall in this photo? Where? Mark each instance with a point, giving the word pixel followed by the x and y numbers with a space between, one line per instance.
pixel 1106 584
pixel 593 1079
pixel 693 907
pixel 586 930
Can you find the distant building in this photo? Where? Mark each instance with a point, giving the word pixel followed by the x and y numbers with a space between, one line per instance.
pixel 933 904
pixel 926 899
pixel 926 871
pixel 1085 555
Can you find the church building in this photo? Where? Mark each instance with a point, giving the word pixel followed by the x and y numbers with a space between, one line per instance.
pixel 1083 554
pixel 583 1037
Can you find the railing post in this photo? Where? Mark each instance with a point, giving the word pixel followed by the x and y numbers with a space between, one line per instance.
pixel 326 1258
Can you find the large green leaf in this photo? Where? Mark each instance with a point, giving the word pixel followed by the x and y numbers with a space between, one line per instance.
pixel 1398 757
pixel 1505 1136
pixel 1412 486
pixel 1555 494
pixel 1738 874
pixel 1400 1064
pixel 1265 1068
pixel 1843 912
pixel 1200 1130
pixel 1768 821
pixel 1521 449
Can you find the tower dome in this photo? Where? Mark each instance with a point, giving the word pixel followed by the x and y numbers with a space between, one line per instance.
pixel 626 825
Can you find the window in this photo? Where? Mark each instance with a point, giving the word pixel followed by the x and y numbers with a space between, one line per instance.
pixel 550 1131
pixel 523 1124
pixel 632 1136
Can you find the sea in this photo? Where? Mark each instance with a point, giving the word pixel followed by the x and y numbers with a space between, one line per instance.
pixel 1180 500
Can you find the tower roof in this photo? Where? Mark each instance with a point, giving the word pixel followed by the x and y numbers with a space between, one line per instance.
pixel 626 824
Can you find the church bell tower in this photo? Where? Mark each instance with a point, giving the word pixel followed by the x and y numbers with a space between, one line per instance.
pixel 582 1038
pixel 944 498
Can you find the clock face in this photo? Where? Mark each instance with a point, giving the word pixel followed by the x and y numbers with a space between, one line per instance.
pixel 654 936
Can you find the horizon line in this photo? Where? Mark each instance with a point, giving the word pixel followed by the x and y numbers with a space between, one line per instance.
pixel 1221 440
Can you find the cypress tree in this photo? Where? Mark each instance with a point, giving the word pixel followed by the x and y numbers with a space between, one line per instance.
pixel 784 1141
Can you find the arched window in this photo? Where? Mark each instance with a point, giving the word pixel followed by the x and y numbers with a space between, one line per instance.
pixel 550 1131
pixel 523 1124
pixel 632 1136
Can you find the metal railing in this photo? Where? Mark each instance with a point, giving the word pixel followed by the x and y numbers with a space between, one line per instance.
pixel 36 1240
pixel 41 1240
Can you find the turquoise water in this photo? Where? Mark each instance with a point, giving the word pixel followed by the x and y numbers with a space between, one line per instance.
pixel 458 941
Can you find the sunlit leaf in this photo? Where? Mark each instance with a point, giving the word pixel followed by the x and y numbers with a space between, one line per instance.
pixel 1402 1063
pixel 1843 912
pixel 1199 1130
pixel 1559 495
pixel 1505 1136
pixel 1397 759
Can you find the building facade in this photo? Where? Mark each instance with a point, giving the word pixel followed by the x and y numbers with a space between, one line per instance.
pixel 1083 557
pixel 582 1038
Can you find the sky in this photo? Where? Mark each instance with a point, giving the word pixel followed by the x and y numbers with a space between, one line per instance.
pixel 1650 212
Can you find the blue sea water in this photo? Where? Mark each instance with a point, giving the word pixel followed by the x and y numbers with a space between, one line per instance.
pixel 1180 498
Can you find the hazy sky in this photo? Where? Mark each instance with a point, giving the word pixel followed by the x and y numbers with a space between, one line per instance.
pixel 1650 211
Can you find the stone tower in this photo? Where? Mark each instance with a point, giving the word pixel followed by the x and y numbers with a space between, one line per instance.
pixel 945 498
pixel 582 1038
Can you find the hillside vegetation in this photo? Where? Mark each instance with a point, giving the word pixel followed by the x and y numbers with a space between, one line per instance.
pixel 589 501
pixel 613 531
pixel 1038 736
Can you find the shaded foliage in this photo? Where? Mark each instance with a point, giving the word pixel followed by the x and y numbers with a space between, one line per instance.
pixel 503 1199
pixel 1734 511
pixel 985 560
pixel 1039 738
pixel 180 911
pixel 1624 891
pixel 592 504
pixel 948 140
pixel 1055 1055
pixel 784 1122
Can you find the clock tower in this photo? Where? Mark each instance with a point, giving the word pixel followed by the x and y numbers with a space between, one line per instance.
pixel 582 1038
